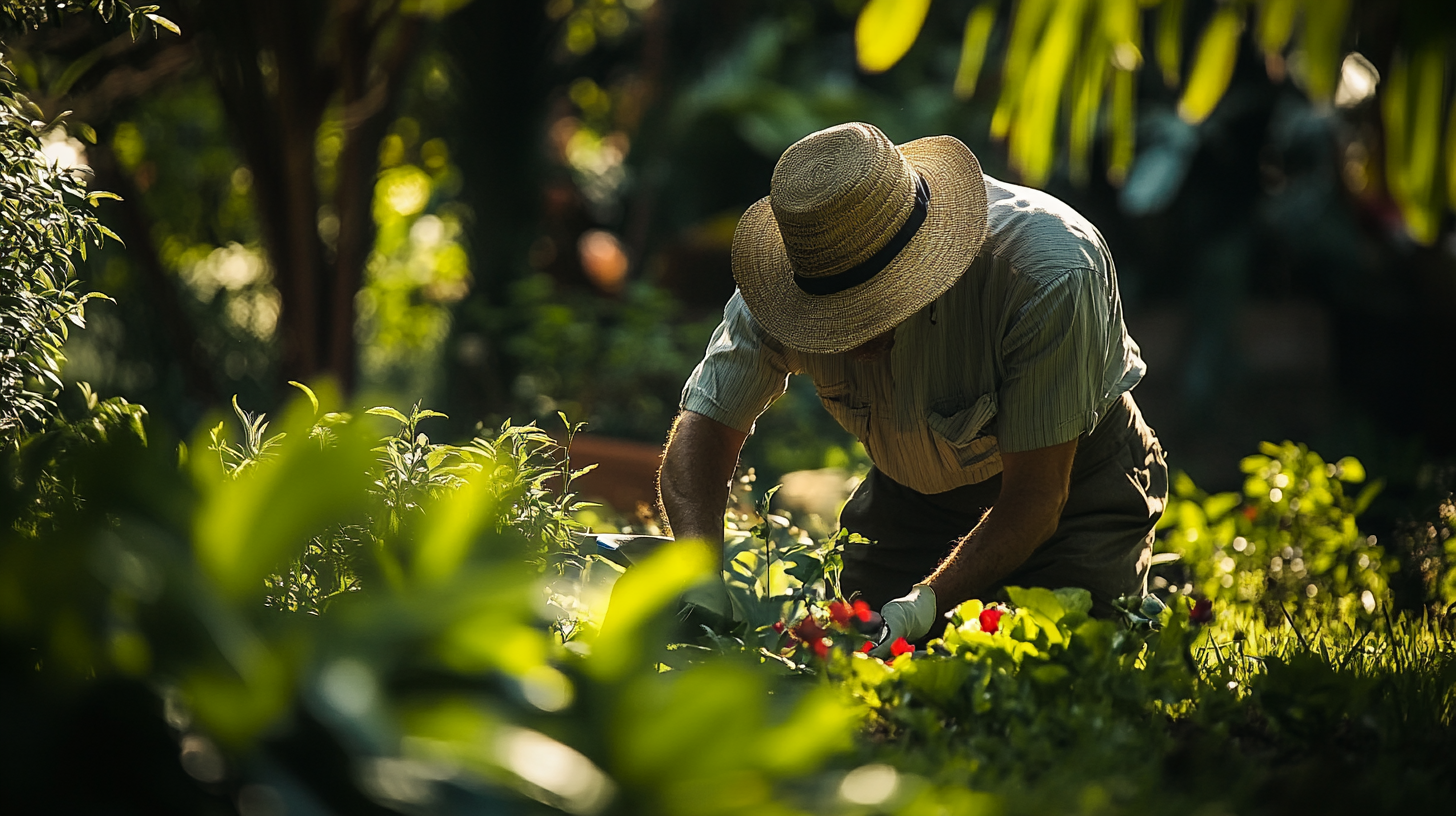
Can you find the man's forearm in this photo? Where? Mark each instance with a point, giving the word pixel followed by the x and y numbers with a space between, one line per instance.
pixel 692 502
pixel 699 461
pixel 1004 539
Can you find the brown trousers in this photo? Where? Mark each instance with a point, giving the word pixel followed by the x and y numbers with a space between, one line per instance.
pixel 1102 543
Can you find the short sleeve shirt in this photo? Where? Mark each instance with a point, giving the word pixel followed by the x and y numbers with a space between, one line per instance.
pixel 1025 351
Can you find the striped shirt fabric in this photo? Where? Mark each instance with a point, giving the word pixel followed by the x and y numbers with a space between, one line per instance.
pixel 1025 351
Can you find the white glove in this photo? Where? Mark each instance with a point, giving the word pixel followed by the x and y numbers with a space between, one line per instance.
pixel 909 617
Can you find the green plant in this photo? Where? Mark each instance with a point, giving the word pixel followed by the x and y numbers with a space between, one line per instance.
pixel 1290 542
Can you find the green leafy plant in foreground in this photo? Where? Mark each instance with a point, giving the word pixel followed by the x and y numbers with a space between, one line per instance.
pixel 445 681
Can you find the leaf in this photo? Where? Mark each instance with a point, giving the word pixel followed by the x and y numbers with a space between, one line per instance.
pixel 1349 469
pixel 1322 41
pixel 164 23
pixel 973 49
pixel 308 392
pixel 1026 28
pixel 1276 24
pixel 1214 65
pixel 102 195
pixel 386 411
pixel 885 31
pixel 84 131
pixel 1122 120
pixel 1033 139
pixel 245 527
pixel 1169 47
pixel 1411 110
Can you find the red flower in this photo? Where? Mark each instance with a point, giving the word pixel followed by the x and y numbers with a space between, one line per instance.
pixel 778 627
pixel 821 648
pixel 900 646
pixel 862 611
pixel 808 630
pixel 840 612
pixel 1202 611
pixel 1251 513
pixel 869 646
pixel 990 619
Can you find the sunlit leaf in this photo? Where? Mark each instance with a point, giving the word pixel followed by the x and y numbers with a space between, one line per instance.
pixel 1026 28
pixel 1276 23
pixel 885 31
pixel 1033 137
pixel 1170 41
pixel 307 392
pixel 1322 41
pixel 973 49
pixel 246 526
pixel 1121 120
pixel 1214 65
pixel 164 23
pixel 1412 113
pixel 640 596
pixel 386 411
pixel 1089 83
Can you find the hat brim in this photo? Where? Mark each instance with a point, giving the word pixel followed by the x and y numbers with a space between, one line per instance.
pixel 941 251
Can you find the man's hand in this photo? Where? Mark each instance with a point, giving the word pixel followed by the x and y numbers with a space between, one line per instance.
pixel 909 617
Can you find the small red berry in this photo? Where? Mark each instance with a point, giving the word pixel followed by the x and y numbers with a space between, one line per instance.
pixel 808 630
pixel 1251 513
pixel 862 611
pixel 990 620
pixel 900 646
pixel 778 627
pixel 1202 611
pixel 821 648
pixel 869 646
pixel 840 612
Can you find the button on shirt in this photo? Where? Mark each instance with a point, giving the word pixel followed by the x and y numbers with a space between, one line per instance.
pixel 1025 351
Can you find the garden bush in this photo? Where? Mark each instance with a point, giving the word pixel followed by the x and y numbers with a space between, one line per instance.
pixel 334 613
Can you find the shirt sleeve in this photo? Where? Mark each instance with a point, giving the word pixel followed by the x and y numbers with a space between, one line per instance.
pixel 743 371
pixel 1053 363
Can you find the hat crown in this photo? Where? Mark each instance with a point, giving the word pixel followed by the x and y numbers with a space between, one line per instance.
pixel 839 195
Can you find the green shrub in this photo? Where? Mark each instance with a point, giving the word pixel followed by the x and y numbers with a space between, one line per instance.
pixel 1289 542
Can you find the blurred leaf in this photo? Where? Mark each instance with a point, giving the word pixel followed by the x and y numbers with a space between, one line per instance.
pixel 973 49
pixel 1026 28
pixel 1214 65
pixel 1161 166
pixel 1122 145
pixel 642 594
pixel 1322 40
pixel 247 526
pixel 1350 470
pixel 885 30
pixel 1170 41
pixel 1276 23
pixel 1033 138
pixel 448 532
pixel 1412 113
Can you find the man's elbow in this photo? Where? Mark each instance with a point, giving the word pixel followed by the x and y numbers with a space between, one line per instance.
pixel 1045 511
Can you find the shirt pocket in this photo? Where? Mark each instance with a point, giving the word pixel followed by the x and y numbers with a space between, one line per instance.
pixel 966 437
pixel 852 414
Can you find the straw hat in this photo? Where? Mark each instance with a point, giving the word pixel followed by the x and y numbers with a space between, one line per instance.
pixel 857 234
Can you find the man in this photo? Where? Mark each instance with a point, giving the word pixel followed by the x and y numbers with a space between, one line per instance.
pixel 969 333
